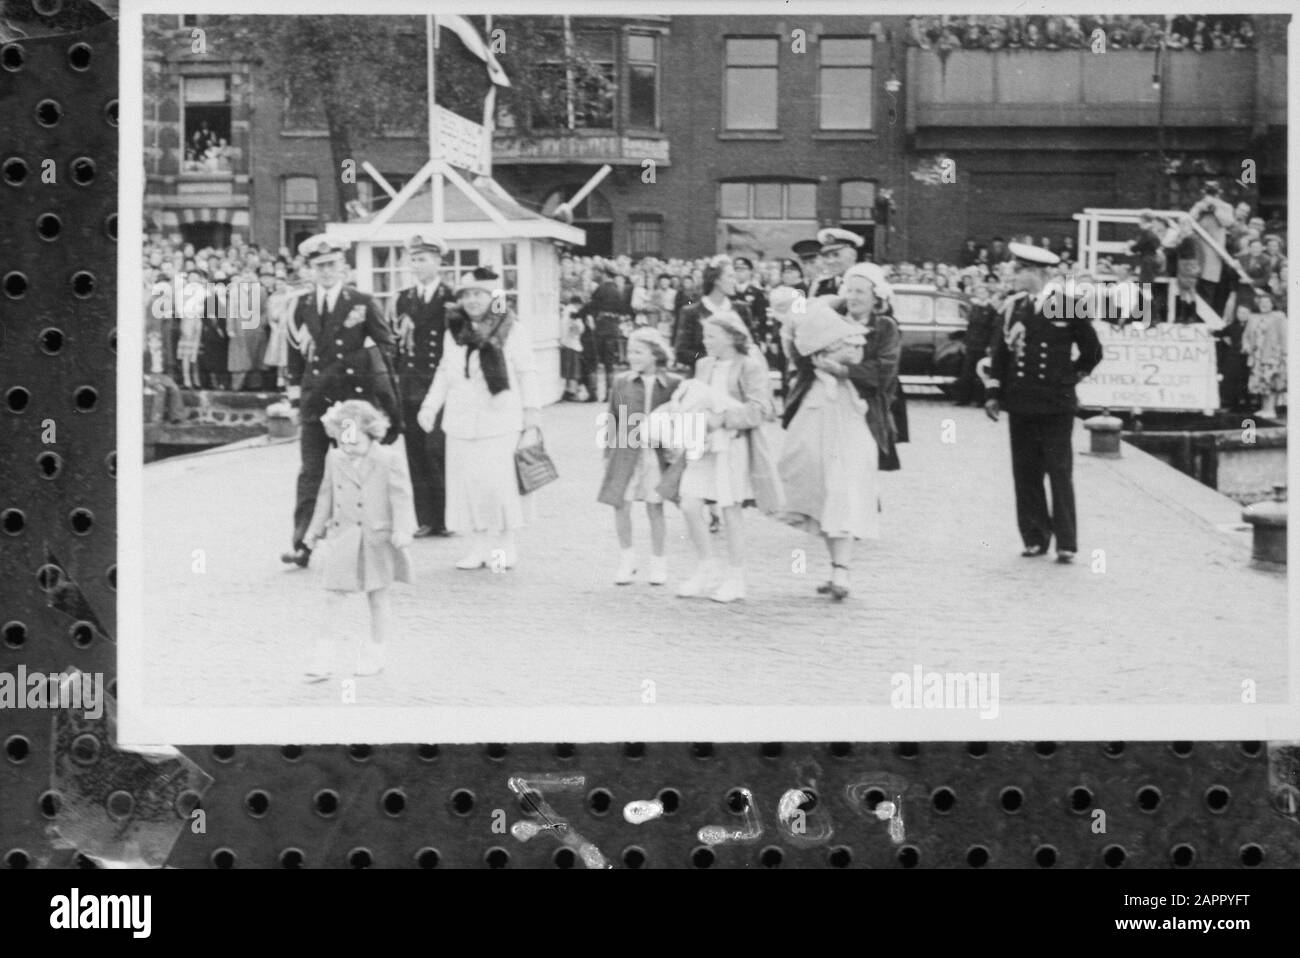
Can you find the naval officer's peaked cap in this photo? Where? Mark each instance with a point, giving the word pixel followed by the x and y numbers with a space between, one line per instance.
pixel 321 247
pixel 1027 255
pixel 426 244
pixel 833 238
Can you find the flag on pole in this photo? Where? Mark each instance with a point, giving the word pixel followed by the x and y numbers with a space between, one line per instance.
pixel 474 44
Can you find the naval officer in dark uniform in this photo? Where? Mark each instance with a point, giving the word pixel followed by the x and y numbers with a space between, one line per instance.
pixel 839 251
pixel 421 321
pixel 1032 375
pixel 341 347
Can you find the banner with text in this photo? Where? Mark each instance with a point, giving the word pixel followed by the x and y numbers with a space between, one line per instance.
pixel 1153 367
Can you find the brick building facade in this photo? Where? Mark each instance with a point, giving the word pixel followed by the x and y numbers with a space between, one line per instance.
pixel 744 133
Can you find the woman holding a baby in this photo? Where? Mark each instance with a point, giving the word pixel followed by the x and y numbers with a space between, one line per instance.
pixel 733 467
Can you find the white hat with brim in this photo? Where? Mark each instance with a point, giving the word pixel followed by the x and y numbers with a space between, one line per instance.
pixel 322 248
pixel 873 274
pixel 484 279
pixel 1034 256
pixel 426 244
pixel 833 238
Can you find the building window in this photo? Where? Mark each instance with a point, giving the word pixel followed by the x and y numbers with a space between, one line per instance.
pixel 844 77
pixel 299 210
pixel 593 89
pixel 303 110
pixel 206 122
pixel 571 99
pixel 645 234
pixel 857 201
pixel 768 200
pixel 643 81
pixel 763 218
pixel 750 94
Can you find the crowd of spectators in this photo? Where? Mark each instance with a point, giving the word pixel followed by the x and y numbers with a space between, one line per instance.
pixel 1059 32
pixel 605 298
pixel 207 152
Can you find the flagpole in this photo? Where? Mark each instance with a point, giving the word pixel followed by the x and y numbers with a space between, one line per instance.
pixel 434 138
pixel 489 109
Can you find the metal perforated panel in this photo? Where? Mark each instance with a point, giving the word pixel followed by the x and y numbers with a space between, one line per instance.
pixel 69 797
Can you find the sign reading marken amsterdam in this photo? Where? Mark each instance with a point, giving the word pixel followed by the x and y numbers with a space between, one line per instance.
pixel 1153 367
pixel 463 141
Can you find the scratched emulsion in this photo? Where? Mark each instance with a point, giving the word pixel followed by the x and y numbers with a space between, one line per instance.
pixel 532 793
pixel 122 809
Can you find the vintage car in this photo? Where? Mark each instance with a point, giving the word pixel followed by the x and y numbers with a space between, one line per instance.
pixel 932 323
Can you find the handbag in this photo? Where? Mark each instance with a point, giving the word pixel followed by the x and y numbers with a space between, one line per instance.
pixel 533 466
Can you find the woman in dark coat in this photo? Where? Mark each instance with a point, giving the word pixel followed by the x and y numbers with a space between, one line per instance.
pixel 866 299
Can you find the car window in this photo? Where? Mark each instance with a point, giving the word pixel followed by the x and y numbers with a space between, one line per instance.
pixel 913 309
pixel 949 312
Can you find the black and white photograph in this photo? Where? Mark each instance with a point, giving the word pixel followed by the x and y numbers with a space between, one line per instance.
pixel 786 373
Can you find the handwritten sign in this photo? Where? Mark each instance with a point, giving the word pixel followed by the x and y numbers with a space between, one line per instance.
pixel 463 141
pixel 1153 367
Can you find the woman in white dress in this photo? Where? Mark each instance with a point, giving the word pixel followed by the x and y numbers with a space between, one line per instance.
pixel 486 386
pixel 828 463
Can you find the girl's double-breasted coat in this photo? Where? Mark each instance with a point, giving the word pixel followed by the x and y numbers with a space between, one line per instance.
pixel 362 502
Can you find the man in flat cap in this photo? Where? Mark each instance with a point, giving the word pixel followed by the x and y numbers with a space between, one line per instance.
pixel 839 251
pixel 341 347
pixel 421 322
pixel 1032 376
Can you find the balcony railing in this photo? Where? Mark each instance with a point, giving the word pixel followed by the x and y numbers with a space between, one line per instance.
pixel 1079 88
pixel 596 148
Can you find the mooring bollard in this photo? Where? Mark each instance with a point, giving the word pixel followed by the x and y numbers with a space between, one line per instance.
pixel 1268 518
pixel 281 421
pixel 1104 434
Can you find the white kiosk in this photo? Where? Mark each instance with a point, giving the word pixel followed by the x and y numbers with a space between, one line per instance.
pixel 455 198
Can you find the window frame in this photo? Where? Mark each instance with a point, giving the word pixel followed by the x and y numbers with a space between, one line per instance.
pixel 724 126
pixel 871 81
pixel 870 219
pixel 628 63
pixel 750 204
pixel 636 219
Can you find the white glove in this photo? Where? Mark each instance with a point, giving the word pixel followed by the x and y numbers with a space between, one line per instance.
pixel 295 392
pixel 426 418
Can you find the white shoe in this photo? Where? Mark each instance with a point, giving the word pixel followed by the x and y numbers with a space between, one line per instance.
pixel 476 558
pixel 698 584
pixel 658 570
pixel 732 588
pixel 626 567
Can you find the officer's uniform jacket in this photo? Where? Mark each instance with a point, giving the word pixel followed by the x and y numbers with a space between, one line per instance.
pixel 346 353
pixel 1033 368
pixel 420 350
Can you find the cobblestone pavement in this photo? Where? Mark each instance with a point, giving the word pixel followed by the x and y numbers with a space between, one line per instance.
pixel 1177 616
